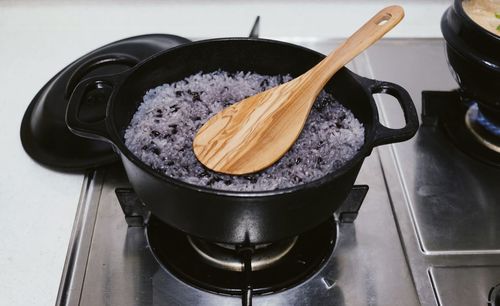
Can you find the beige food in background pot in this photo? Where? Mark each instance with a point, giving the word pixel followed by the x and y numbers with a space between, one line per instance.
pixel 486 13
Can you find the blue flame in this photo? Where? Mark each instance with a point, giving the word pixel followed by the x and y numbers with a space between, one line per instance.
pixel 485 123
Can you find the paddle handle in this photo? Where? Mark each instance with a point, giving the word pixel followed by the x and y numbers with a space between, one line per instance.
pixel 368 34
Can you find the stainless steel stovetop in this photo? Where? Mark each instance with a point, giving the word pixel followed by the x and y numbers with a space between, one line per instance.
pixel 428 232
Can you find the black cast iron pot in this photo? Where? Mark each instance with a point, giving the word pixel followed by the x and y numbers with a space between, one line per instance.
pixel 228 216
pixel 474 56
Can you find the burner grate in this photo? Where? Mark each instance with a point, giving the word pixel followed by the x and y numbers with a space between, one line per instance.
pixel 240 269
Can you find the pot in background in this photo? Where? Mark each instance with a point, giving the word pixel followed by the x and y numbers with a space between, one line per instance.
pixel 229 216
pixel 474 57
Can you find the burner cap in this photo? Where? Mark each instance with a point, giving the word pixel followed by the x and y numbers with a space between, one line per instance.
pixel 225 256
pixel 44 134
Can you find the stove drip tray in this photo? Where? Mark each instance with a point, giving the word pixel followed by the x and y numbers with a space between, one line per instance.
pixel 216 267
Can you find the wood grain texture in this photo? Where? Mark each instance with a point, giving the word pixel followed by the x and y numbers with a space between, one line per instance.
pixel 254 133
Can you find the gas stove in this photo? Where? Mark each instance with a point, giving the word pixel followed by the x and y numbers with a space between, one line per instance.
pixel 427 231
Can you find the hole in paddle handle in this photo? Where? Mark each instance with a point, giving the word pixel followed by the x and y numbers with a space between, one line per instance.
pixel 383 19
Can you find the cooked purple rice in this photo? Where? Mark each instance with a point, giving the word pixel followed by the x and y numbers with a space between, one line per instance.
pixel 162 130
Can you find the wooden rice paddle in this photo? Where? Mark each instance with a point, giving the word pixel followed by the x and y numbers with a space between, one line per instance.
pixel 254 133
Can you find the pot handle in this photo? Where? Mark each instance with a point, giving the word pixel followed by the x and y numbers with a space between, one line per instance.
pixel 94 63
pixel 101 86
pixel 385 135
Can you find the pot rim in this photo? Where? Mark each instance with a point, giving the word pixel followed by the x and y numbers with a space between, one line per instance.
pixel 118 142
pixel 457 43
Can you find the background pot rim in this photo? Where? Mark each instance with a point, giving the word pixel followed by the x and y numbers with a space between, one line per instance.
pixel 459 45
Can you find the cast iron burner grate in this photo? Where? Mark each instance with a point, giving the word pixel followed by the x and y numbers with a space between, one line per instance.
pixel 462 123
pixel 226 268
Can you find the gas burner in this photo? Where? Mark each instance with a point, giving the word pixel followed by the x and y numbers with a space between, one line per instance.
pixel 219 267
pixel 485 131
pixel 234 269
pixel 462 121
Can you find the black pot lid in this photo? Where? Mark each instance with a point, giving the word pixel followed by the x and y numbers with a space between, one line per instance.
pixel 44 134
